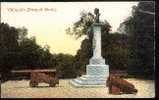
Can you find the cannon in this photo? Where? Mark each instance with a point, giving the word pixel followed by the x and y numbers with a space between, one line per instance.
pixel 41 75
pixel 118 85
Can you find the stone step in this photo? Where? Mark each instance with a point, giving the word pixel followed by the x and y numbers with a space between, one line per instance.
pixel 73 83
pixel 91 79
pixel 91 82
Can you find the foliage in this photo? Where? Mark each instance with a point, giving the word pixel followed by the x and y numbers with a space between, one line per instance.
pixel 64 65
pixel 140 30
pixel 83 26
pixel 8 47
pixel 115 50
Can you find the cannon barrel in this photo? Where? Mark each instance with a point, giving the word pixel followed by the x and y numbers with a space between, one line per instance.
pixel 33 70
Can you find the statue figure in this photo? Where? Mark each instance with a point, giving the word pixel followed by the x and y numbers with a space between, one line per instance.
pixel 96 12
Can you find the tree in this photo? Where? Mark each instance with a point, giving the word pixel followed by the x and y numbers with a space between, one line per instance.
pixel 17 51
pixel 115 50
pixel 140 30
pixel 64 65
pixel 8 49
pixel 34 56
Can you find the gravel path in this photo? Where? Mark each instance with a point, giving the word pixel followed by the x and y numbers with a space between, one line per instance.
pixel 21 89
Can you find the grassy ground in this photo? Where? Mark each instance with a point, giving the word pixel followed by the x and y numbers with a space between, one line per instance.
pixel 21 89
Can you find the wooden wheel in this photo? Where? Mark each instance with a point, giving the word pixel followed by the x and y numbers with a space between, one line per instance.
pixel 52 83
pixel 33 84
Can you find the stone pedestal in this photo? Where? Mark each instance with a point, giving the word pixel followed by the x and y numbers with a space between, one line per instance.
pixel 96 71
pixel 96 76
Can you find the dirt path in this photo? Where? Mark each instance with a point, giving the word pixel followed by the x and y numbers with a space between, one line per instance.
pixel 21 89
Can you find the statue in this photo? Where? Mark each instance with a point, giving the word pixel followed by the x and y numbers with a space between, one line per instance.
pixel 96 12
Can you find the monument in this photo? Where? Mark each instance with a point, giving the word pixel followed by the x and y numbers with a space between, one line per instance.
pixel 97 71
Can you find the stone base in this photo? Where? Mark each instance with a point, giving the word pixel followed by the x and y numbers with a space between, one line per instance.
pixel 96 77
pixel 97 70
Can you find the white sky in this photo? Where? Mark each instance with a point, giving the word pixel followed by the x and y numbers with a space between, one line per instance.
pixel 49 26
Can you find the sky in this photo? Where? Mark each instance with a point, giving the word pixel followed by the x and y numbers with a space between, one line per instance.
pixel 47 21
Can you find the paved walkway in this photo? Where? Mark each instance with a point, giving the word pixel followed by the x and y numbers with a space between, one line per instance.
pixel 21 89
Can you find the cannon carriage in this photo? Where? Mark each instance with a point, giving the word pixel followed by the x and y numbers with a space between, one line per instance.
pixel 117 85
pixel 41 75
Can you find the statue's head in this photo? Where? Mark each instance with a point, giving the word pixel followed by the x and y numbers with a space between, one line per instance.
pixel 96 11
